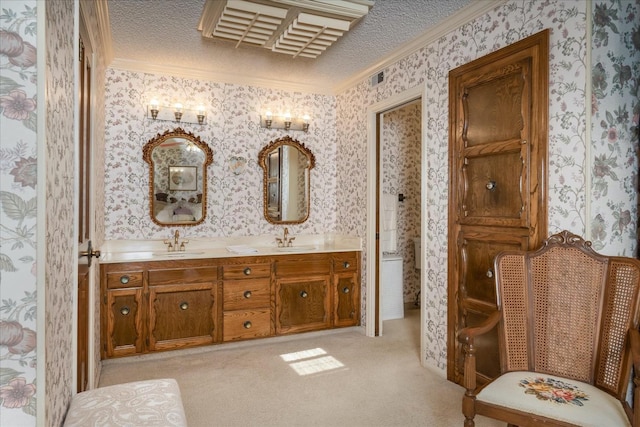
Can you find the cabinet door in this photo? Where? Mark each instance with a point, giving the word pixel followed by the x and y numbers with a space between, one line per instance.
pixel 302 304
pixel 124 327
pixel 182 315
pixel 346 299
pixel 497 196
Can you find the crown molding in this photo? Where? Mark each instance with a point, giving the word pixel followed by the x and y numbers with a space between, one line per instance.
pixel 104 30
pixel 230 78
pixel 468 13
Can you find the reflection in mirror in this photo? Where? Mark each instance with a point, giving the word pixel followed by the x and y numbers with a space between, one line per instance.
pixel 178 163
pixel 287 164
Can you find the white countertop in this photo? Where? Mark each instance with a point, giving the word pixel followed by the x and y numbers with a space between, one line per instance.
pixel 114 251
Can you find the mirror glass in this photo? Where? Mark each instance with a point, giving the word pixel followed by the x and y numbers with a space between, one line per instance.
pixel 287 164
pixel 178 163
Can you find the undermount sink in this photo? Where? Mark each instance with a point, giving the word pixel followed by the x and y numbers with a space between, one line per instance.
pixel 296 248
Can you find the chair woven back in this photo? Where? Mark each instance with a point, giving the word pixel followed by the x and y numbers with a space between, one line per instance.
pixel 566 311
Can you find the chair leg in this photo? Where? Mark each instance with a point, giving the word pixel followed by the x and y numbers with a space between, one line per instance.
pixel 511 425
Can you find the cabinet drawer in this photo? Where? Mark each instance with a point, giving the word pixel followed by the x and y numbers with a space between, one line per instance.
pixel 245 271
pixel 244 294
pixel 244 324
pixel 346 262
pixel 132 279
pixel 182 275
pixel 302 267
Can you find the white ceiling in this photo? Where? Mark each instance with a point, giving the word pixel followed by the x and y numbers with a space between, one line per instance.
pixel 162 35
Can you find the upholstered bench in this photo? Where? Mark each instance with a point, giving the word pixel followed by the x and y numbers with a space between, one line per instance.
pixel 140 403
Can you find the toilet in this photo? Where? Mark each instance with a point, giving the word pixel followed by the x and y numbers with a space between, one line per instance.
pixel 391 287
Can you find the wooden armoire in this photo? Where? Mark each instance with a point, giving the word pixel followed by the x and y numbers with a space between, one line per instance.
pixel 498 121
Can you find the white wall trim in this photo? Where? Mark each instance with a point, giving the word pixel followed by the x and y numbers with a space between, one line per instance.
pixel 464 15
pixel 372 200
pixel 41 221
pixel 103 30
pixel 588 119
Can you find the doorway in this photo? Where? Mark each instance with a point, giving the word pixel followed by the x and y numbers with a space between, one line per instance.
pixel 379 189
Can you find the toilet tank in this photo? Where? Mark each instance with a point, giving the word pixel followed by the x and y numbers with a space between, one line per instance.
pixel 417 258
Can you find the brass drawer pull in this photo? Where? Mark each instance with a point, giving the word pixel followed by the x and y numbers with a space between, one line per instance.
pixel 345 290
pixel 304 294
pixel 247 271
pixel 247 324
pixel 184 305
pixel 489 273
pixel 125 310
pixel 247 294
pixel 124 279
pixel 491 185
pixel 346 264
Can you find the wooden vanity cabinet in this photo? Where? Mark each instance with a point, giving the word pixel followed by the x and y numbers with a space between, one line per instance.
pixel 165 305
pixel 346 289
pixel 303 297
pixel 122 313
pixel 247 301
pixel 182 307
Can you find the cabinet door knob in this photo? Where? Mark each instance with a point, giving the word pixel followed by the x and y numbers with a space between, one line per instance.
pixel 489 273
pixel 345 290
pixel 247 294
pixel 491 185
pixel 247 271
pixel 184 305
pixel 304 294
pixel 125 310
pixel 124 279
pixel 346 264
pixel 247 324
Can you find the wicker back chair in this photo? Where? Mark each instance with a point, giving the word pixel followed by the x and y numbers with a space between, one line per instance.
pixel 568 333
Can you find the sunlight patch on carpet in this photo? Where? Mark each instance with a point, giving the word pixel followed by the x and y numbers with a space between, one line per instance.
pixel 313 361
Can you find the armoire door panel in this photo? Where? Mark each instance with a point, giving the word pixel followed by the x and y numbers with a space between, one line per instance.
pixel 493 190
pixel 498 121
pixel 478 249
pixel 493 104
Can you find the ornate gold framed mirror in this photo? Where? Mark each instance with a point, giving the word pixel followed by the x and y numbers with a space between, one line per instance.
pixel 287 165
pixel 178 162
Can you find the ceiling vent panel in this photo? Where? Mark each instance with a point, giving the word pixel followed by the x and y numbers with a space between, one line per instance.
pixel 304 28
pixel 309 35
pixel 247 22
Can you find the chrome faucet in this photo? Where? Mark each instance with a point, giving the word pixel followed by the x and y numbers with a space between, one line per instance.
pixel 176 245
pixel 286 240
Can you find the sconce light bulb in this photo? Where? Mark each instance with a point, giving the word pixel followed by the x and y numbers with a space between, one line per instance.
pixel 268 115
pixel 306 118
pixel 154 103
pixel 178 108
pixel 287 116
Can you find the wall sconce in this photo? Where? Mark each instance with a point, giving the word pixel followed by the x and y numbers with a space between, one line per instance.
pixel 176 113
pixel 153 109
pixel 286 122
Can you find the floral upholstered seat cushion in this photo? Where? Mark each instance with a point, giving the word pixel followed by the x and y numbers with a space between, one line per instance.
pixel 555 397
pixel 136 404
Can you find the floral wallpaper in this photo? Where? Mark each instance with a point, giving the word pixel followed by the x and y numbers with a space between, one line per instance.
pixel 401 174
pixel 18 208
pixel 615 109
pixel 569 168
pixel 59 239
pixel 232 131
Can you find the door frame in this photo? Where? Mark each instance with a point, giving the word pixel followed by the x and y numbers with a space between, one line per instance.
pixel 89 40
pixel 374 253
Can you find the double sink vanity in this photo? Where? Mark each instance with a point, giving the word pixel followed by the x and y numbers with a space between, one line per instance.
pixel 169 294
pixel 223 290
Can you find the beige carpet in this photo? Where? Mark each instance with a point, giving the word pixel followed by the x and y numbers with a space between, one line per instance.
pixel 329 379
